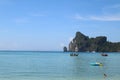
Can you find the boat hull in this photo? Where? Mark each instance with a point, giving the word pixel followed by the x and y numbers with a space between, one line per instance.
pixel 96 64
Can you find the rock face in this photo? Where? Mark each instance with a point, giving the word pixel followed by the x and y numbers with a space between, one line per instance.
pixel 82 43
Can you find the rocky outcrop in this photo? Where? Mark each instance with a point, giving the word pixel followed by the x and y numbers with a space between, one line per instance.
pixel 83 43
pixel 65 49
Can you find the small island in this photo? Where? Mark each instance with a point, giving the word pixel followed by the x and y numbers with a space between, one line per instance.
pixel 82 43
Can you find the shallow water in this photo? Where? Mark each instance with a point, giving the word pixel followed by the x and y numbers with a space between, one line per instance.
pixel 30 65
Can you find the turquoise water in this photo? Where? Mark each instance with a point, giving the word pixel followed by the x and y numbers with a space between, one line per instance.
pixel 20 65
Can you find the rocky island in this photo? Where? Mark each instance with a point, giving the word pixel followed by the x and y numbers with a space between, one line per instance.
pixel 82 43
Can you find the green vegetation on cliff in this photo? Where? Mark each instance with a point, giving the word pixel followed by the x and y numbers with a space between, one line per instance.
pixel 83 43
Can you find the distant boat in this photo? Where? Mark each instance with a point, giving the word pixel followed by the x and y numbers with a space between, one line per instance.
pixel 73 54
pixel 96 64
pixel 103 54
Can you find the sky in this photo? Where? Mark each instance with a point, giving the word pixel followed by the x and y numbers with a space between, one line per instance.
pixel 48 25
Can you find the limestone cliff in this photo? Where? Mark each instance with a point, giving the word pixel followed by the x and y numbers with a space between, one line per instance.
pixel 83 43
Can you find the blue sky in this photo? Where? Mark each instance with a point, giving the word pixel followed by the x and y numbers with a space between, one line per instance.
pixel 51 24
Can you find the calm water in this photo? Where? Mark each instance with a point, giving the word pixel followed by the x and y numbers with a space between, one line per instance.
pixel 57 66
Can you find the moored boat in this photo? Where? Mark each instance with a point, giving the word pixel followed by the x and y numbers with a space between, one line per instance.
pixel 96 64
pixel 73 54
pixel 103 54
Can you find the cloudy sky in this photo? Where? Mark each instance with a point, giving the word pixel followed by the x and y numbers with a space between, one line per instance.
pixel 51 24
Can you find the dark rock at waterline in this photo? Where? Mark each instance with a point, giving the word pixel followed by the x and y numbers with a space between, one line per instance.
pixel 65 49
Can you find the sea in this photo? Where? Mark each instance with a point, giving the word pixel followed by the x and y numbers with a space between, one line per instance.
pixel 56 65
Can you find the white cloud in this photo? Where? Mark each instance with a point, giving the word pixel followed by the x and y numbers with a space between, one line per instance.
pixel 109 13
pixel 99 18
pixel 77 16
pixel 28 18
pixel 105 18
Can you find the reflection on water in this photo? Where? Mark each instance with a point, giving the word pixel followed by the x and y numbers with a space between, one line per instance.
pixel 57 66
